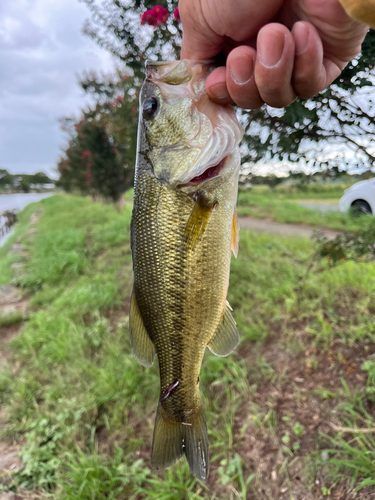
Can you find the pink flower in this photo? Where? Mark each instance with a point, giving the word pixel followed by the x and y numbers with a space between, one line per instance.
pixel 85 154
pixel 149 18
pixel 163 14
pixel 119 98
pixel 155 16
pixel 124 77
pixel 76 126
pixel 88 165
pixel 176 15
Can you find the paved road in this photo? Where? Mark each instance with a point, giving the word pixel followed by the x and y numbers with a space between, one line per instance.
pixel 264 226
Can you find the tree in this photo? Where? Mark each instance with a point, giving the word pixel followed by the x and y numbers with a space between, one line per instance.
pixel 114 25
pixel 6 179
pixel 100 156
pixel 310 130
pixel 339 119
pixel 40 178
pixel 24 184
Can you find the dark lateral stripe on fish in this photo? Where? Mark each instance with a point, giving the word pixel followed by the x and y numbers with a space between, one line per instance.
pixel 168 391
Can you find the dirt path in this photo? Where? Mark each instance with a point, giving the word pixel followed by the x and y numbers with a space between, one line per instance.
pixel 266 226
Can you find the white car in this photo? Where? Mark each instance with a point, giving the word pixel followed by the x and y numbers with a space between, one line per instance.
pixel 360 198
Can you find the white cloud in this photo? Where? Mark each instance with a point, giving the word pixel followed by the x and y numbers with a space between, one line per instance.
pixel 42 51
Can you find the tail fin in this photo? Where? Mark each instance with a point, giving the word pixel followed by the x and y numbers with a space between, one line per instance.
pixel 173 439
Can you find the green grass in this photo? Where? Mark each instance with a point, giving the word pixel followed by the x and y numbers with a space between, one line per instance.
pixel 6 256
pixel 84 409
pixel 12 318
pixel 279 208
pixel 305 192
pixel 128 196
pixel 351 453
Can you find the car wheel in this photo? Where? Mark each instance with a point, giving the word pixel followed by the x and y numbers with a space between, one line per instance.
pixel 360 207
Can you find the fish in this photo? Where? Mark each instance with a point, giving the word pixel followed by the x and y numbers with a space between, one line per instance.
pixel 183 228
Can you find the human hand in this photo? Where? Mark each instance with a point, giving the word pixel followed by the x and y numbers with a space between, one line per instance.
pixel 276 50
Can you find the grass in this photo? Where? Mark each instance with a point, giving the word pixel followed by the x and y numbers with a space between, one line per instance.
pixel 83 409
pixel 12 318
pixel 7 257
pixel 325 201
pixel 305 192
pixel 279 208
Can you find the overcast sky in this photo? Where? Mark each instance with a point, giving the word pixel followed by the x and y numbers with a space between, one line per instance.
pixel 42 50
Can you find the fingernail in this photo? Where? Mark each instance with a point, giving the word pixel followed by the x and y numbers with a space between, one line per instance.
pixel 301 37
pixel 271 47
pixel 219 91
pixel 241 68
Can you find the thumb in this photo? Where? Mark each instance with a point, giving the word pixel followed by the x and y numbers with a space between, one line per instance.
pixel 199 41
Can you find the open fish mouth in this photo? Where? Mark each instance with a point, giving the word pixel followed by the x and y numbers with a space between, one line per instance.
pixel 209 174
pixel 216 140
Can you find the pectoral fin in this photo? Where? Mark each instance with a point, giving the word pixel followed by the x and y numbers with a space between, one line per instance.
pixel 235 238
pixel 197 222
pixel 226 337
pixel 142 346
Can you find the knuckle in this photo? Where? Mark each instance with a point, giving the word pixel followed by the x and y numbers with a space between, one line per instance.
pixel 247 100
pixel 280 101
pixel 306 86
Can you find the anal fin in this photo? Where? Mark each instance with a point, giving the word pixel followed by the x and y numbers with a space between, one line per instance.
pixel 235 236
pixel 197 222
pixel 142 346
pixel 226 337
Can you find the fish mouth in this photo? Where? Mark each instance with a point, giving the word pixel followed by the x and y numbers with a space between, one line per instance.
pixel 208 174
pixel 178 72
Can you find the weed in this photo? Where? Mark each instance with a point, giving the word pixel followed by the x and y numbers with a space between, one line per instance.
pixel 353 456
pixel 325 393
pixel 233 470
pixel 85 476
pixel 12 318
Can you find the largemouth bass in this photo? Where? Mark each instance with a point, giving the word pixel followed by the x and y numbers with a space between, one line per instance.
pixel 183 227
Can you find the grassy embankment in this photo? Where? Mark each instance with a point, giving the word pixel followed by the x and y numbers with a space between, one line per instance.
pixel 280 205
pixel 83 409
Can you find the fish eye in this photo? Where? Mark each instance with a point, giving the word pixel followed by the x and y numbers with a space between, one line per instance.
pixel 150 108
